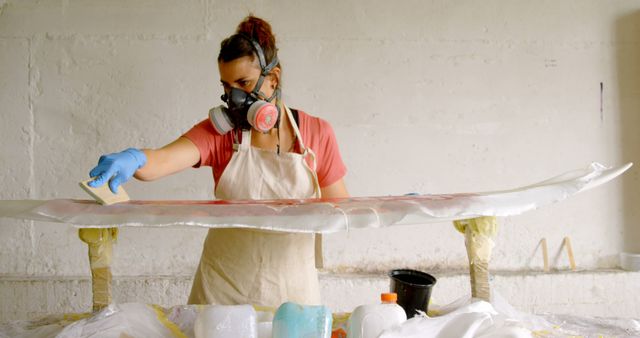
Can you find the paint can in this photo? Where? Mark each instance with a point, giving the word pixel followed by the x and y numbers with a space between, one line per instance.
pixel 413 288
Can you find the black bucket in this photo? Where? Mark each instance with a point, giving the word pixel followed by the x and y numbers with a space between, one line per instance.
pixel 413 289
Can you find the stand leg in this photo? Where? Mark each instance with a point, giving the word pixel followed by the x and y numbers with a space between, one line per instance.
pixel 567 245
pixel 478 234
pixel 319 251
pixel 100 242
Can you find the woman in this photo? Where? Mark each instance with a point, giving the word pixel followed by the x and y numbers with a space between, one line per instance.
pixel 268 152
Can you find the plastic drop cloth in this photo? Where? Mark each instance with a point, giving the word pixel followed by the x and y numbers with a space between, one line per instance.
pixel 314 215
pixel 118 321
pixel 464 318
pixel 469 317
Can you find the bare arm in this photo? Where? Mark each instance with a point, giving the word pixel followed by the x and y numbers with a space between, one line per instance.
pixel 335 190
pixel 172 158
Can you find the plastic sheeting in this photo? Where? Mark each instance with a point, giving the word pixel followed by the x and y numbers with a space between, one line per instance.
pixel 314 215
pixel 468 317
pixel 478 319
pixel 465 317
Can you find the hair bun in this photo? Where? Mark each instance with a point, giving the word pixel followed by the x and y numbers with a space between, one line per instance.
pixel 257 29
pixel 237 45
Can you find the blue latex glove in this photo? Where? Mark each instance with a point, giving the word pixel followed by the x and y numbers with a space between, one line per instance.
pixel 117 168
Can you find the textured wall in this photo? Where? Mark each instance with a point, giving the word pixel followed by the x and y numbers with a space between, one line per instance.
pixel 425 96
pixel 585 294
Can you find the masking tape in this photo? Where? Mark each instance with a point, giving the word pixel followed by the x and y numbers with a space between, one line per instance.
pixel 340 318
pixel 97 235
pixel 260 308
pixel 479 249
pixel 479 243
pixel 462 225
pixel 101 287
pixel 100 242
pixel 171 326
pixel 485 225
pixel 74 317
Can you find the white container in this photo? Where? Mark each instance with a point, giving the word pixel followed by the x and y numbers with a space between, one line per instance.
pixel 629 261
pixel 265 324
pixel 226 321
pixel 368 321
pixel 265 329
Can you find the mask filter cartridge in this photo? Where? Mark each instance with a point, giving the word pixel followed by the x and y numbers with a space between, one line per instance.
pixel 261 115
pixel 220 120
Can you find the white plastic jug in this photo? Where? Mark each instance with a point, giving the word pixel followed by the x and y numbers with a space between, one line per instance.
pixel 265 324
pixel 368 321
pixel 226 321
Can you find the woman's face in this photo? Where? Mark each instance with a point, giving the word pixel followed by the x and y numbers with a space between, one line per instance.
pixel 243 73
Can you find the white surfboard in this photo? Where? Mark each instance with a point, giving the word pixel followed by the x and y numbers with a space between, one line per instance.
pixel 314 215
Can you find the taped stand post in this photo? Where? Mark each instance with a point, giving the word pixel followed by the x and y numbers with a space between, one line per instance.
pixel 100 242
pixel 478 234
pixel 545 254
pixel 567 245
pixel 319 251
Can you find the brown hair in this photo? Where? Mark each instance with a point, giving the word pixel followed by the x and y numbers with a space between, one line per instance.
pixel 236 46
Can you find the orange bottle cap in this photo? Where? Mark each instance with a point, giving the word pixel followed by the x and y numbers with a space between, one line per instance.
pixel 390 297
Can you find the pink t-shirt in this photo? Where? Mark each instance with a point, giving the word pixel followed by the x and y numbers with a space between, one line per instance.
pixel 317 134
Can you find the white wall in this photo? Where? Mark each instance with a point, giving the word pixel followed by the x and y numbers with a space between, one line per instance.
pixel 425 96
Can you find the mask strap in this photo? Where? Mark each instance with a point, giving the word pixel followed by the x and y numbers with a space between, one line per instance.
pixel 276 95
pixel 256 48
pixel 261 59
pixel 264 68
pixel 256 90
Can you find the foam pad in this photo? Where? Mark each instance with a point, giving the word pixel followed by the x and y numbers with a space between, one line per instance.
pixel 103 194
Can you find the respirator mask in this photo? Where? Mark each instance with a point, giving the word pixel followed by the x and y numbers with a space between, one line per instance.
pixel 245 110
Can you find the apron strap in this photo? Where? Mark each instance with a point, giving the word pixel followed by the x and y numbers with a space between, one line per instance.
pixel 295 129
pixel 246 138
pixel 236 143
pixel 305 151
pixel 309 152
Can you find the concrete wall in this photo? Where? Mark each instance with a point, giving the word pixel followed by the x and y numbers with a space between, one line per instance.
pixel 425 96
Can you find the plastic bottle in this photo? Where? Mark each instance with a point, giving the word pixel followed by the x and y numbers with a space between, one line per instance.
pixel 265 324
pixel 298 321
pixel 368 321
pixel 226 321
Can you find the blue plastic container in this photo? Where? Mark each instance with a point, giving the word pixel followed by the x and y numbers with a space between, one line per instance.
pixel 299 321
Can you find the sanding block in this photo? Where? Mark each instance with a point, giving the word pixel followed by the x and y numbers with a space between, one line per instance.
pixel 103 194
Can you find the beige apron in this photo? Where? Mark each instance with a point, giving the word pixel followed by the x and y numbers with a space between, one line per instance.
pixel 248 266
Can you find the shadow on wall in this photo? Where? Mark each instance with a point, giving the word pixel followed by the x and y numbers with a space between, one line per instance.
pixel 628 68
